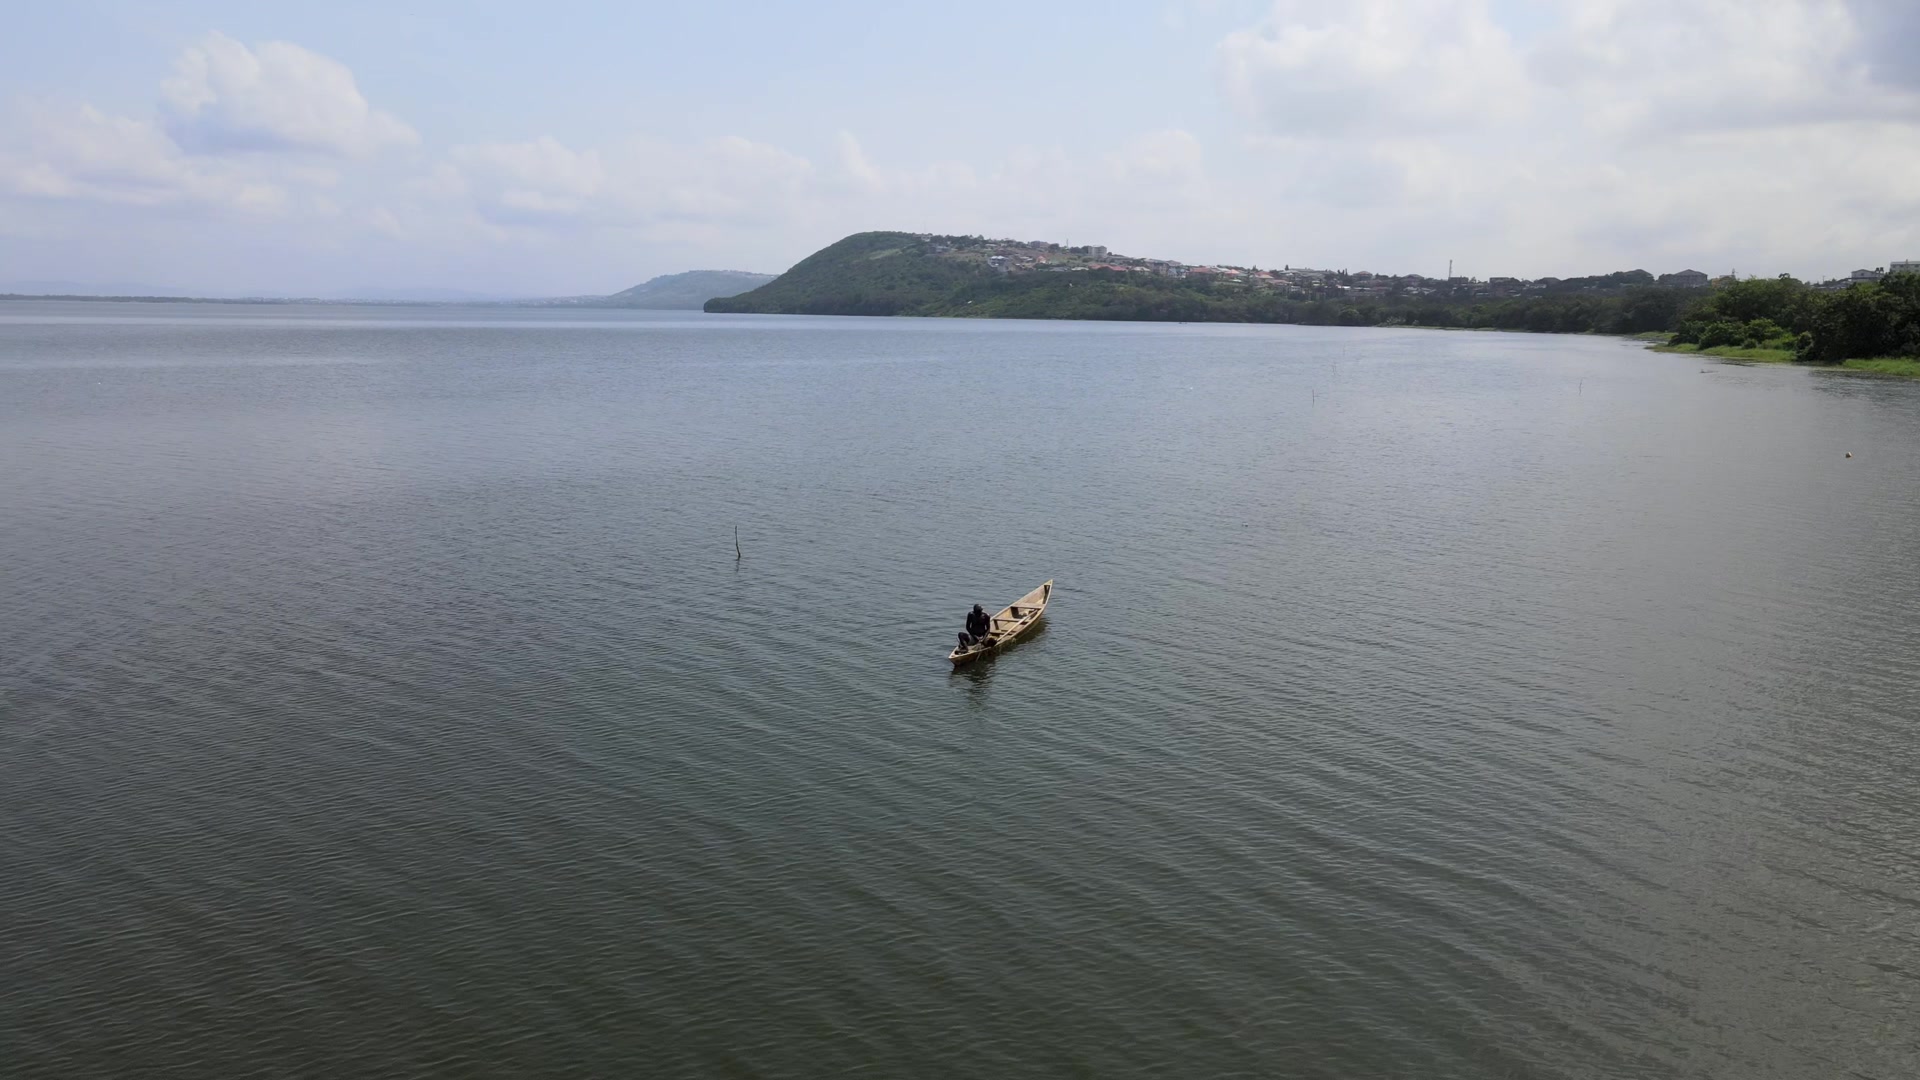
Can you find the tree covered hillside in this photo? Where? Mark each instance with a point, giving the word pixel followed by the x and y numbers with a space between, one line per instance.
pixel 871 273
pixel 895 273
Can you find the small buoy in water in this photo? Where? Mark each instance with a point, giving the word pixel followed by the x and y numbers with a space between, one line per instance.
pixel 1849 453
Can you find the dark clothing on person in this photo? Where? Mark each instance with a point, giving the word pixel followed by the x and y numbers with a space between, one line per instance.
pixel 979 624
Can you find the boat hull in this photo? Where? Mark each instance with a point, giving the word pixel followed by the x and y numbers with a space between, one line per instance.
pixel 1009 625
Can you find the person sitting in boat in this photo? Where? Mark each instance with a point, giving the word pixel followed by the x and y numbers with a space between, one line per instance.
pixel 979 628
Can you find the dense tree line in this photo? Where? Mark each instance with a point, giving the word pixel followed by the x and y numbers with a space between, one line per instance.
pixel 1110 295
pixel 1868 319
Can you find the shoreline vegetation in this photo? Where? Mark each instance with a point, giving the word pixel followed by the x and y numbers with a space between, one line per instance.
pixel 1756 355
pixel 1903 367
pixel 1763 320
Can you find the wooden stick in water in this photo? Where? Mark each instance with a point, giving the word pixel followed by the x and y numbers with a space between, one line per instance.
pixel 736 543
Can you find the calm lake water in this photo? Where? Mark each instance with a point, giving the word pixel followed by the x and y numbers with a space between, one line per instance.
pixel 380 695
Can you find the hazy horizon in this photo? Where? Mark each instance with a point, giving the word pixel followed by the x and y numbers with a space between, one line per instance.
pixel 385 294
pixel 219 148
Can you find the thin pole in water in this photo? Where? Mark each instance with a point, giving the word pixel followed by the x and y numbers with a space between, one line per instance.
pixel 736 543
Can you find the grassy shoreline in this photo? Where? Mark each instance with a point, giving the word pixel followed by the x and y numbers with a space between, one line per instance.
pixel 1899 367
pixel 1733 352
pixel 1905 367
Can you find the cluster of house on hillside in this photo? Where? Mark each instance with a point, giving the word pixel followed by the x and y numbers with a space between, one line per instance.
pixel 1039 256
pixel 1898 266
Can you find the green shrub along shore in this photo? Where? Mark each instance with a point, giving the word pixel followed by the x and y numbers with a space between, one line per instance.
pixel 1871 326
pixel 1777 319
pixel 1758 354
pixel 1906 367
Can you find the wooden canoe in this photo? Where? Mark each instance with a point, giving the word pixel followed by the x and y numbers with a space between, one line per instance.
pixel 1011 624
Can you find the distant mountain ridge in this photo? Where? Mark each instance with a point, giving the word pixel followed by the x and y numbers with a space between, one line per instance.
pixel 81 288
pixel 422 295
pixel 687 291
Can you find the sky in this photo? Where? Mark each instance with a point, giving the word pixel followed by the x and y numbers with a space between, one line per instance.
pixel 513 149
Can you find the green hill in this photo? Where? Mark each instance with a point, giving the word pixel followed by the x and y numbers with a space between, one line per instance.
pixel 871 273
pixel 685 292
pixel 896 273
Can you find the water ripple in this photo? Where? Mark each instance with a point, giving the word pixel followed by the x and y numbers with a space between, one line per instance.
pixel 379 694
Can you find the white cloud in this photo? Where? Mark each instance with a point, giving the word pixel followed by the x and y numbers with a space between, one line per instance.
pixel 385 223
pixel 81 153
pixel 1651 68
pixel 440 183
pixel 634 182
pixel 856 167
pixel 1392 66
pixel 226 97
pixel 223 96
pixel 542 165
pixel 530 182
pixel 1390 134
pixel 729 179
pixel 1160 160
pixel 1623 132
